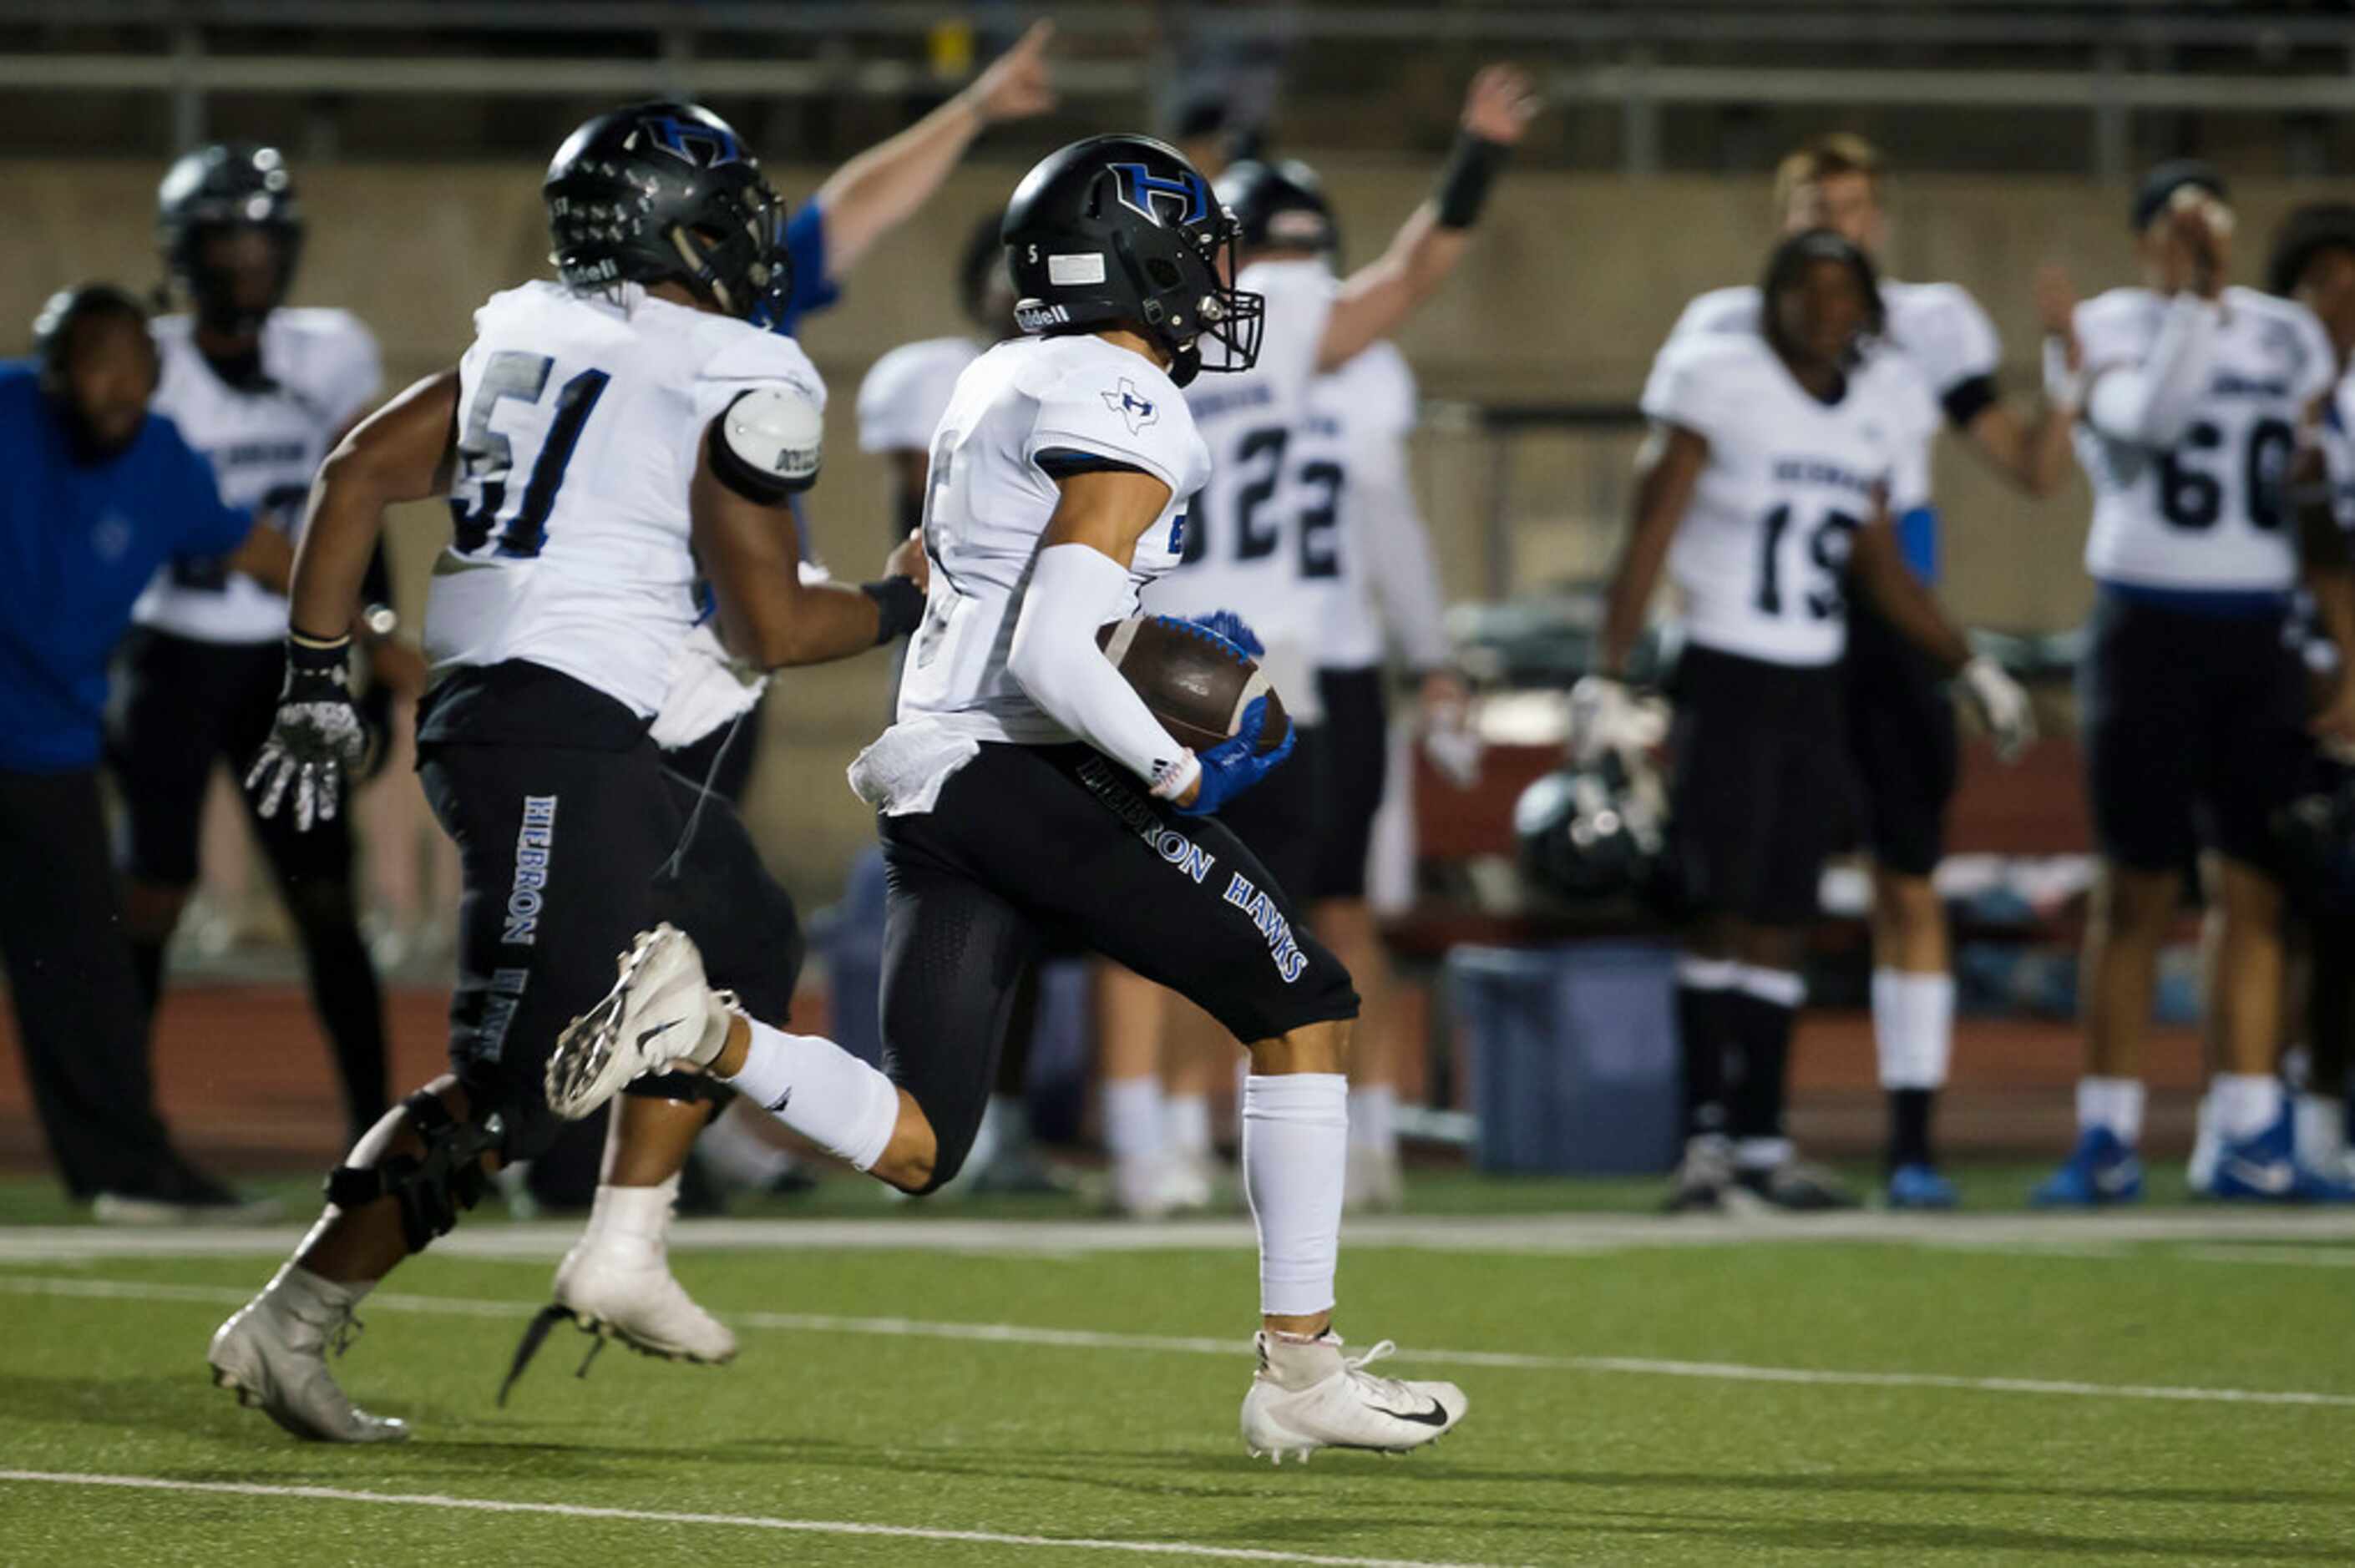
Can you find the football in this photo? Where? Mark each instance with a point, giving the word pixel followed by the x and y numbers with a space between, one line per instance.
pixel 1196 684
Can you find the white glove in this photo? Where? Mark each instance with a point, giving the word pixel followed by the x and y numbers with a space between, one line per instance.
pixel 2003 706
pixel 1607 717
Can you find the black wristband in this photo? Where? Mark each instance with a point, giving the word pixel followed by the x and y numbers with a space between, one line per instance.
pixel 899 607
pixel 1464 181
pixel 309 654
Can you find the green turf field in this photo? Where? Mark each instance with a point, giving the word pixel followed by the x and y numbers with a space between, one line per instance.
pixel 1986 1391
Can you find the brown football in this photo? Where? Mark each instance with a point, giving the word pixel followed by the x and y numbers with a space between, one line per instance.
pixel 1194 684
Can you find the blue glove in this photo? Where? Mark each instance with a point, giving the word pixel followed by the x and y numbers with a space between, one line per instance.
pixel 1229 627
pixel 1236 763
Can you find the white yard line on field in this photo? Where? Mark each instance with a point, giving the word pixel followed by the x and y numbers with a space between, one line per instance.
pixel 732 1521
pixel 541 1241
pixel 1091 1339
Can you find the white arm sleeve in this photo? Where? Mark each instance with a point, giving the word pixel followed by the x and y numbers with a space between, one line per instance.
pixel 1074 589
pixel 1398 560
pixel 2148 404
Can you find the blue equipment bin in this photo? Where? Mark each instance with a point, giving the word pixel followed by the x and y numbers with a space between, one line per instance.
pixel 1574 1064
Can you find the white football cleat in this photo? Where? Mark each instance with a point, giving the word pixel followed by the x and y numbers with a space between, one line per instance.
pixel 272 1354
pixel 629 1294
pixel 661 1013
pixel 1306 1395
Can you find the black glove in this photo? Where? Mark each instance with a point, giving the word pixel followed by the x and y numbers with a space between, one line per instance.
pixel 319 737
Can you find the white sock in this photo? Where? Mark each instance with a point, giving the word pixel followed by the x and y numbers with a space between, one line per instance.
pixel 1763 1153
pixel 2321 1130
pixel 1295 1157
pixel 2113 1102
pixel 1186 1124
pixel 1373 1118
pixel 822 1092
pixel 1007 1117
pixel 2246 1104
pixel 1913 1025
pixel 1132 1117
pixel 631 1219
pixel 313 1298
pixel 741 1155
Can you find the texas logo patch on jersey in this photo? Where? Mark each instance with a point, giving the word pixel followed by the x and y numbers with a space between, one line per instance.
pixel 1136 410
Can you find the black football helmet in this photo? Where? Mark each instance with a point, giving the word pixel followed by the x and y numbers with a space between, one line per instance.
pixel 227 186
pixel 1280 206
pixel 1122 230
pixel 1595 832
pixel 659 192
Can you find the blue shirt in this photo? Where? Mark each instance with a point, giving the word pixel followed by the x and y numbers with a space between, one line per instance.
pixel 77 545
pixel 813 291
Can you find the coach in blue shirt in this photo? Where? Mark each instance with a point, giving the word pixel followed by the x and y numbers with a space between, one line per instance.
pixel 95 493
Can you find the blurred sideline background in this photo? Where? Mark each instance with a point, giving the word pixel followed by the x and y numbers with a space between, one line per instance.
pixel 418 132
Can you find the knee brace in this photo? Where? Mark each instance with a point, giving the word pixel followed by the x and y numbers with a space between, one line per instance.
pixel 687 1087
pixel 432 1188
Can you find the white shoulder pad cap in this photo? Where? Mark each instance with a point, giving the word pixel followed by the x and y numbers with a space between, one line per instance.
pixel 775 434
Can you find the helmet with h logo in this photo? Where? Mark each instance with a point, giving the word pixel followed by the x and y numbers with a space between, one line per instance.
pixel 1123 231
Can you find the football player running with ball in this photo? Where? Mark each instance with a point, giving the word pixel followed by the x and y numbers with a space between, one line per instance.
pixel 1028 793
pixel 1767 490
pixel 604 434
pixel 2201 400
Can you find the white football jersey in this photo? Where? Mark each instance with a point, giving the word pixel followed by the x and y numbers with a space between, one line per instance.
pixel 2204 517
pixel 1353 442
pixel 265 444
pixel 907 391
pixel 1936 330
pixel 989 504
pixel 580 419
pixel 2338 438
pixel 1761 555
pixel 1262 532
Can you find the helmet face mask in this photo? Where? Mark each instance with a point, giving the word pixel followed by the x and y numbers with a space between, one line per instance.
pixel 1121 231
pixel 665 192
pixel 210 201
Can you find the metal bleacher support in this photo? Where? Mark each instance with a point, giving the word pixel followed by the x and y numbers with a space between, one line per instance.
pixel 2113 62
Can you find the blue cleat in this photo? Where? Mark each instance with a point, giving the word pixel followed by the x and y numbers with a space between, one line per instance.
pixel 2265 1169
pixel 1920 1187
pixel 2101 1170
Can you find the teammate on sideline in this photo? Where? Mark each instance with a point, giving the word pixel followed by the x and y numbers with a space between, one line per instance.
pixel 2313 262
pixel 611 430
pixel 1767 490
pixel 1379 583
pixel 265 391
pixel 1028 793
pixel 1900 721
pixel 100 493
pixel 1262 541
pixel 2198 396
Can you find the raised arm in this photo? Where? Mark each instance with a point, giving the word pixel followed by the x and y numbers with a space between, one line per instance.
pixel 1373 301
pixel 2149 405
pixel 882 187
pixel 754 456
pixel 401 452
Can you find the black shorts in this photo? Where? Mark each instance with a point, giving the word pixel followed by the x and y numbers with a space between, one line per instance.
pixel 1035 846
pixel 1761 793
pixel 2194 732
pixel 179 706
pixel 568 830
pixel 1902 749
pixel 1357 769
pixel 1283 817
